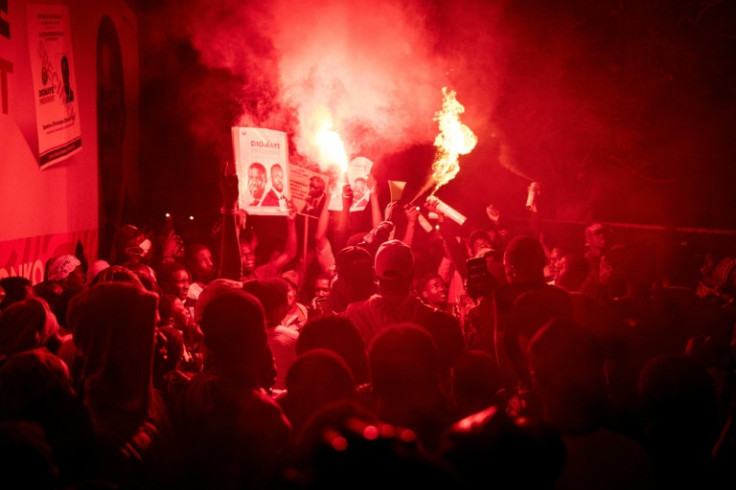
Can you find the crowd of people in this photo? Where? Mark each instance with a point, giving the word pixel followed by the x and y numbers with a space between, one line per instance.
pixel 364 353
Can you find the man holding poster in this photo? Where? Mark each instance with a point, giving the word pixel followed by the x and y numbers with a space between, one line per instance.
pixel 260 153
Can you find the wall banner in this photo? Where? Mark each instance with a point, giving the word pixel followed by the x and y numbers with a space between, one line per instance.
pixel 54 83
pixel 26 257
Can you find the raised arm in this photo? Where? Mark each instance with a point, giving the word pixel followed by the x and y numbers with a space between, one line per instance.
pixel 452 248
pixel 230 262
pixel 323 223
pixel 343 226
pixel 322 247
pixel 290 247
pixel 376 216
pixel 532 205
pixel 412 213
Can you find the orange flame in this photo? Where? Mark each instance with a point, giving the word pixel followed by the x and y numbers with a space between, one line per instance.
pixel 453 140
pixel 331 148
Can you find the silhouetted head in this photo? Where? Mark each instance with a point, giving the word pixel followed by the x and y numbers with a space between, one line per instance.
pixel 394 265
pixel 524 260
pixel 234 328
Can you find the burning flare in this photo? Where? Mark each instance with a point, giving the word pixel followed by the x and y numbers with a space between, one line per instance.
pixel 454 139
pixel 331 148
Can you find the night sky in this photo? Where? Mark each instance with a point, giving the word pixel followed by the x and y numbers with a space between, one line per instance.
pixel 623 110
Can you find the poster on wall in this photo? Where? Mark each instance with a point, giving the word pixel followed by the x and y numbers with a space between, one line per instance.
pixel 262 164
pixel 358 176
pixel 54 83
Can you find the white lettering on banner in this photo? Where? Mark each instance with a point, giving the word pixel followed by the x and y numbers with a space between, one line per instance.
pixel 264 144
pixel 33 271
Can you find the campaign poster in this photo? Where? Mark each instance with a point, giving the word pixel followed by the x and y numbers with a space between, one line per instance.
pixel 262 163
pixel 54 83
pixel 308 186
pixel 359 170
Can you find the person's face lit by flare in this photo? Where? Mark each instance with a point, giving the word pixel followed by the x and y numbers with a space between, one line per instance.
pixel 179 285
pixel 203 266
pixel 553 262
pixel 435 292
pixel 322 288
pixel 479 244
pixel 248 258
pixel 291 298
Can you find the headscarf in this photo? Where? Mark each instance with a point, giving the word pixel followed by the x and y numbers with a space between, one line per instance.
pixel 61 266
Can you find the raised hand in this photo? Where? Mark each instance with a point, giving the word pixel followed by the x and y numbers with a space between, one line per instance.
pixel 411 212
pixel 347 197
pixel 229 187
pixel 391 209
pixel 172 245
pixel 431 204
pixel 493 213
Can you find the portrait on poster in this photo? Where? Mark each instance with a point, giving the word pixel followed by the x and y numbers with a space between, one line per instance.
pixel 358 176
pixel 262 164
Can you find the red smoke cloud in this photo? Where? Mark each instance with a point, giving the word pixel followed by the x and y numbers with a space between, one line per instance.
pixel 376 68
pixel 623 109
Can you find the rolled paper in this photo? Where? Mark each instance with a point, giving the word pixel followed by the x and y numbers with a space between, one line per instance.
pixel 450 212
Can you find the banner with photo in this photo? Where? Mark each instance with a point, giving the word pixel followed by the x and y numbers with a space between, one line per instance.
pixel 54 83
pixel 308 186
pixel 262 164
pixel 359 170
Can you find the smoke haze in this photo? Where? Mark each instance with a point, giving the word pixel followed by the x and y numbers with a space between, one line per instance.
pixel 623 109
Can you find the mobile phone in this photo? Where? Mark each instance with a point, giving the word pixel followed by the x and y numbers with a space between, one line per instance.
pixel 479 281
